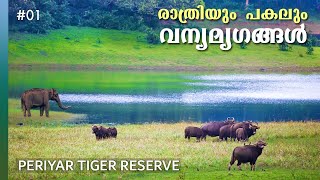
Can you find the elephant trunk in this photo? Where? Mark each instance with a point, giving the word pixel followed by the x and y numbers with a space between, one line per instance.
pixel 61 106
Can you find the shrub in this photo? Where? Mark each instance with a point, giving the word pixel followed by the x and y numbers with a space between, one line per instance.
pixel 243 45
pixel 284 46
pixel 309 47
pixel 152 37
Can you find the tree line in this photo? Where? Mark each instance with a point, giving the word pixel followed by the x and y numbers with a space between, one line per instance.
pixel 126 14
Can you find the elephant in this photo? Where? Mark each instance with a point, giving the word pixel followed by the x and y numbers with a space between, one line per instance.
pixel 37 97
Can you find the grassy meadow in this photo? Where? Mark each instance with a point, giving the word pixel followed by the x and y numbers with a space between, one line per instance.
pixel 293 147
pixel 292 152
pixel 83 47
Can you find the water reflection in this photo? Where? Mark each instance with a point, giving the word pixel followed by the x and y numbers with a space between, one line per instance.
pixel 165 97
pixel 224 88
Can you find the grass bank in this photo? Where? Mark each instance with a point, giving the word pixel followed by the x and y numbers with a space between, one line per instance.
pixel 292 152
pixel 83 48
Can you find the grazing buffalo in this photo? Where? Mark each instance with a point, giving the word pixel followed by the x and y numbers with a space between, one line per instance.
pixel 100 132
pixel 213 128
pixel 247 153
pixel 245 125
pixel 191 131
pixel 112 132
pixel 224 132
pixel 244 134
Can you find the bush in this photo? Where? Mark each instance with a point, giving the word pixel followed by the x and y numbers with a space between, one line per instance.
pixel 313 40
pixel 309 47
pixel 53 15
pixel 284 46
pixel 152 37
pixel 37 27
pixel 243 45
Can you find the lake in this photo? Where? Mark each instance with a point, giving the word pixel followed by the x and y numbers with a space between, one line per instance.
pixel 143 97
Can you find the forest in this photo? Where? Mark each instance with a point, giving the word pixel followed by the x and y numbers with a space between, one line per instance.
pixel 127 14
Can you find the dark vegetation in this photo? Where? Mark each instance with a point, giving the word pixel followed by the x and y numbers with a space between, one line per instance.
pixel 139 15
pixel 128 14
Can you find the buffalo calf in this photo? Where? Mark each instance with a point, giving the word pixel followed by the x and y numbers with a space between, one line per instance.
pixel 224 132
pixel 245 125
pixel 191 131
pixel 241 134
pixel 112 132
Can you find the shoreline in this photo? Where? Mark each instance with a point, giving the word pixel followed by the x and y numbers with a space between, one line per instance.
pixel 123 125
pixel 91 67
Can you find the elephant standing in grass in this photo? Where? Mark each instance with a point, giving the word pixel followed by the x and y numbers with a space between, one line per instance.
pixel 37 97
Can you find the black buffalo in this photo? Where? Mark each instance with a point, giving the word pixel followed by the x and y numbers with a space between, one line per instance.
pixel 100 132
pixel 241 134
pixel 103 133
pixel 247 153
pixel 244 134
pixel 191 131
pixel 213 128
pixel 245 125
pixel 224 132
pixel 112 132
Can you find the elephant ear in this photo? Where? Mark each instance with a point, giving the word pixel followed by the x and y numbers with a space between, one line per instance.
pixel 51 91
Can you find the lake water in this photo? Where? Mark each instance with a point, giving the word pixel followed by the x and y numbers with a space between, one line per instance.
pixel 143 97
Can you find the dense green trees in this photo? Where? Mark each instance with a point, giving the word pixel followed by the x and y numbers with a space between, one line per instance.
pixel 124 14
pixel 54 14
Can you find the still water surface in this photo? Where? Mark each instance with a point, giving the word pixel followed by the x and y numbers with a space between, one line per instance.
pixel 140 97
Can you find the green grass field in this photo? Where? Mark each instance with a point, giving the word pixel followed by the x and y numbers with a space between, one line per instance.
pixel 111 48
pixel 292 152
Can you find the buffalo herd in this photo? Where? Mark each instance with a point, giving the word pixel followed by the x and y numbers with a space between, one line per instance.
pixel 240 131
pixel 103 133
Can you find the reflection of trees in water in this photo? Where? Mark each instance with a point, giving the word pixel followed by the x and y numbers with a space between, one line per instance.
pixel 141 113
